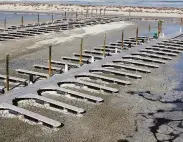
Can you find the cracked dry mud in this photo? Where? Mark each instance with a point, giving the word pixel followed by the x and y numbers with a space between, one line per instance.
pixel 160 124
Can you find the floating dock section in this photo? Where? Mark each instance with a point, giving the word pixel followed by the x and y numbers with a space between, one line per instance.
pixel 30 115
pixel 147 59
pixel 121 73
pixel 51 103
pixel 126 67
pixel 90 85
pixel 61 90
pixel 139 63
pixel 103 78
pixel 151 55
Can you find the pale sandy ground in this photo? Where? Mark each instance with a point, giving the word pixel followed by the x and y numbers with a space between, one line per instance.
pixel 56 8
pixel 113 120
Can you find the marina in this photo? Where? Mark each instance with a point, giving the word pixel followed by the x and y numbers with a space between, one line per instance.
pixel 96 73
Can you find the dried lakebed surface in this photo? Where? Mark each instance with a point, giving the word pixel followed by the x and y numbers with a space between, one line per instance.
pixel 138 113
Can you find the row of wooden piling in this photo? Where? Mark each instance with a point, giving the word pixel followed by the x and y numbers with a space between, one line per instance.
pixel 81 51
pixel 52 17
pixel 81 56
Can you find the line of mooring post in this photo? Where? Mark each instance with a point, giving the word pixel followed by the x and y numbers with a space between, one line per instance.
pixel 149 31
pixel 104 54
pixel 38 18
pixel 7 72
pixel 50 71
pixel 137 34
pixel 122 40
pixel 5 22
pixel 22 21
pixel 81 52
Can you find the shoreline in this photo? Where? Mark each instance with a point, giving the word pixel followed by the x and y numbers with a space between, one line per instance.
pixel 125 10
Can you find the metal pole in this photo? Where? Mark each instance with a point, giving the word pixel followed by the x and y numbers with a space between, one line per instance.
pixel 38 18
pixel 7 72
pixel 122 40
pixel 22 21
pixel 104 45
pixel 50 71
pixel 5 23
pixel 137 32
pixel 81 52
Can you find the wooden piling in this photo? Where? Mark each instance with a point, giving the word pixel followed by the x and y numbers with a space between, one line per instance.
pixel 181 23
pixel 81 52
pixel 149 31
pixel 137 34
pixel 104 11
pixel 96 12
pixel 50 71
pixel 38 18
pixel 122 40
pixel 22 21
pixel 158 28
pixel 76 15
pixel 129 14
pixel 5 23
pixel 65 15
pixel 7 72
pixel 52 18
pixel 100 12
pixel 104 54
pixel 92 12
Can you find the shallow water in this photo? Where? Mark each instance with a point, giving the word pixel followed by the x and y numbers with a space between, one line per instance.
pixel 14 18
pixel 152 3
